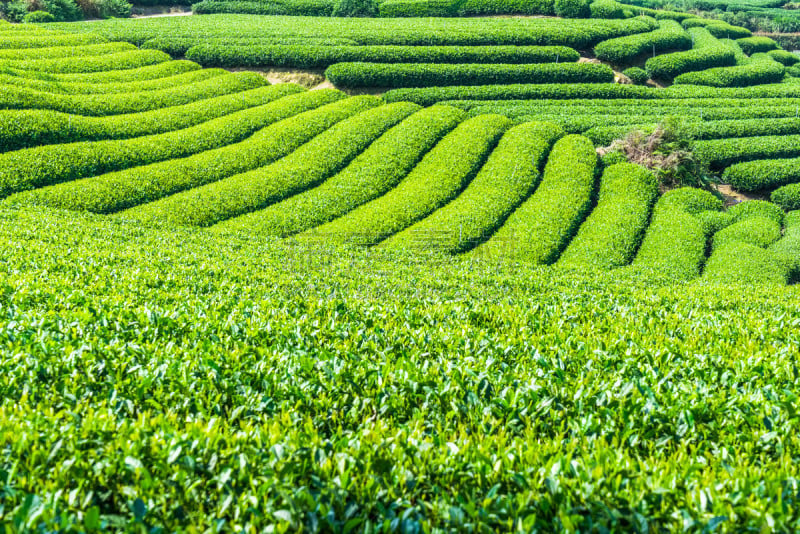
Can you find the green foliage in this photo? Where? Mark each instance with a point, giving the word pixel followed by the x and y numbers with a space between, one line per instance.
pixel 613 231
pixel 33 127
pixel 307 166
pixel 539 229
pixel 312 56
pixel 756 44
pixel 38 17
pixel 707 52
pixel 373 173
pixel 239 49
pixel 248 370
pixel 355 8
pixel 289 128
pixel 572 9
pixel 621 50
pixel 675 242
pixel 637 75
pixel 436 74
pixel 512 171
pixel 761 70
pixel 440 176
pixel 14 97
pixel 50 39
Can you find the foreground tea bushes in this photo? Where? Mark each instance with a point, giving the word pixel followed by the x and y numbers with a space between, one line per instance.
pixel 36 167
pixel 314 56
pixel 707 52
pixel 13 97
pixel 373 173
pixel 115 191
pixel 438 178
pixel 512 171
pixel 613 231
pixel 29 128
pixel 675 242
pixel 306 167
pixel 182 377
pixel 622 50
pixel 433 74
pixel 539 229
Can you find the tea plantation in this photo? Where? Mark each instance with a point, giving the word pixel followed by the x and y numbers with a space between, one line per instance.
pixel 428 295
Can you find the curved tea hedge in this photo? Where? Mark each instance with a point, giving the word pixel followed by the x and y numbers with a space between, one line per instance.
pixel 787 197
pixel 613 231
pixel 373 173
pixel 756 44
pixel 621 50
pixel 36 167
pixel 720 153
pixel 433 74
pixel 539 229
pixel 315 56
pixel 439 177
pixel 707 52
pixel 34 127
pixel 743 263
pixel 787 249
pixel 59 52
pixel 297 119
pixel 512 171
pixel 763 174
pixel 307 166
pixel 91 64
pixel 762 69
pixel 675 242
pixel 138 74
pixel 118 103
pixel 83 88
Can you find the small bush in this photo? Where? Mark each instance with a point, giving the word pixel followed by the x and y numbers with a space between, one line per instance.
pixel 38 17
pixel 606 9
pixel 637 75
pixel 667 152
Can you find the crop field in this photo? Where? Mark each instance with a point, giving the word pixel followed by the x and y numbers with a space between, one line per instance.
pixel 431 294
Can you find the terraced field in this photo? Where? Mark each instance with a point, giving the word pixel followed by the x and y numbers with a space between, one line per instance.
pixel 137 136
pixel 236 306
